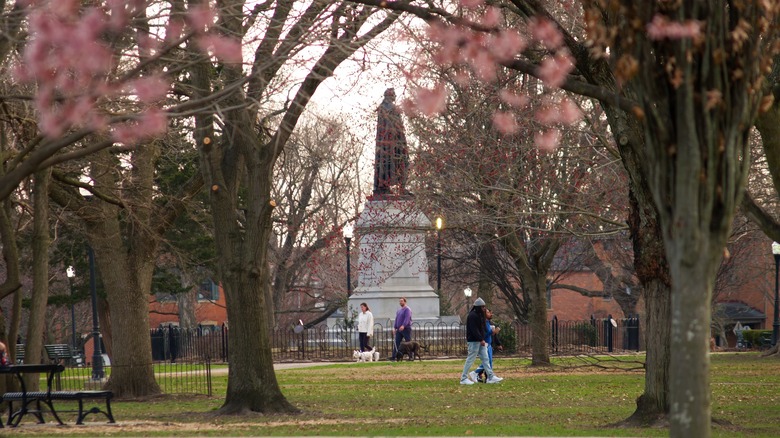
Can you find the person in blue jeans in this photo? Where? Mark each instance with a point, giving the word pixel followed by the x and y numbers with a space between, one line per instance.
pixel 402 326
pixel 475 338
pixel 491 338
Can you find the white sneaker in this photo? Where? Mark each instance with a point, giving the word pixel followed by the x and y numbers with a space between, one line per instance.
pixel 494 379
pixel 473 376
pixel 466 382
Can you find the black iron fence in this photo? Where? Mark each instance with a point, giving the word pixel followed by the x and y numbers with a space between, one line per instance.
pixel 597 335
pixel 183 358
pixel 173 378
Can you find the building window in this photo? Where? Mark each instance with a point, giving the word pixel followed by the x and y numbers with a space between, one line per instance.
pixel 208 291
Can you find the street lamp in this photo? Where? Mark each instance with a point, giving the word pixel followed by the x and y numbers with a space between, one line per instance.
pixel 347 241
pixel 467 293
pixel 97 352
pixel 776 324
pixel 439 224
pixel 70 272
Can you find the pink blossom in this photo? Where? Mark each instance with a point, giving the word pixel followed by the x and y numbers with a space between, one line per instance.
pixel 565 112
pixel 547 33
pixel 554 70
pixel 153 122
pixel 505 122
pixel 461 78
pixel 148 43
pixel 471 4
pixel 201 16
pixel 430 102
pixel 513 99
pixel 492 17
pixel 507 44
pixel 662 28
pixel 226 49
pixel 63 8
pixel 51 124
pixel 151 88
pixel 547 140
pixel 570 112
pixel 484 66
pixel 547 115
pixel 174 30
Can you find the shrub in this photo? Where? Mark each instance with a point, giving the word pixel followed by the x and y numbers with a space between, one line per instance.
pixel 758 338
pixel 588 334
pixel 507 335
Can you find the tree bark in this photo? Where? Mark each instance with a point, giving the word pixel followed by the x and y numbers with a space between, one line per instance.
pixel 40 290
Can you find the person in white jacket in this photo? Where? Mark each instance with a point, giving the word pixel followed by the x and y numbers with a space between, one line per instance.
pixel 365 327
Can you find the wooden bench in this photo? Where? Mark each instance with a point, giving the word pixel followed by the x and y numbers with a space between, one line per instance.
pixel 49 396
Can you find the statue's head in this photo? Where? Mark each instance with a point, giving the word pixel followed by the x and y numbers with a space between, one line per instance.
pixel 390 92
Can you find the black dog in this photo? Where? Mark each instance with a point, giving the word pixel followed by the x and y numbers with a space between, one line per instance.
pixel 411 349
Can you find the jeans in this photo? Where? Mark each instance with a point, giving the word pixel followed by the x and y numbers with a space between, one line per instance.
pixel 481 367
pixel 405 334
pixel 477 349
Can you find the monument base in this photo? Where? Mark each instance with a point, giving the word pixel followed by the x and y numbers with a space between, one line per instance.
pixel 384 304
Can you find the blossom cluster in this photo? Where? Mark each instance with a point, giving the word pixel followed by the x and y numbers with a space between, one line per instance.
pixel 72 58
pixel 483 52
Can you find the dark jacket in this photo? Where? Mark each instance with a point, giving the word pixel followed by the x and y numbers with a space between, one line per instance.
pixel 475 325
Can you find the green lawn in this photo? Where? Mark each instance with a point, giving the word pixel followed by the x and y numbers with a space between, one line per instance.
pixel 424 398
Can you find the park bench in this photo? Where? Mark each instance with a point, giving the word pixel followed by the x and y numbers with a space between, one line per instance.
pixel 19 353
pixel 62 353
pixel 31 400
pixel 49 396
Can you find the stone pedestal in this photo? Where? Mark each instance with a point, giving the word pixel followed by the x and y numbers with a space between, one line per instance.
pixel 392 262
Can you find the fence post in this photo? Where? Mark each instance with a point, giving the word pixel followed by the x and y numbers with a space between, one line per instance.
pixel 636 332
pixel 224 343
pixel 554 334
pixel 610 333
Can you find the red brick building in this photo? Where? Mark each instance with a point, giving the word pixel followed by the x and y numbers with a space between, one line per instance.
pixel 210 307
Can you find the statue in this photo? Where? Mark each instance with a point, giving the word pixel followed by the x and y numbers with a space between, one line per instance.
pixel 392 156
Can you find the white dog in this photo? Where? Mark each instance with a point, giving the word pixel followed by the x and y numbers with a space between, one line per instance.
pixel 366 356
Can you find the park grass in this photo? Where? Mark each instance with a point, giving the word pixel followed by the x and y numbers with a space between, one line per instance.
pixel 425 399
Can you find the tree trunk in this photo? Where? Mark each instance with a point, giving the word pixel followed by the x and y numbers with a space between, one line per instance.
pixel 132 374
pixel 689 371
pixel 40 290
pixel 540 342
pixel 186 304
pixel 652 406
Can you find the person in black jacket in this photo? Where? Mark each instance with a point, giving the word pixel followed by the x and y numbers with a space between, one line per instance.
pixel 476 332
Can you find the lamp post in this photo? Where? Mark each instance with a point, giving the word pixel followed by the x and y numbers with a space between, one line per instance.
pixel 776 324
pixel 70 272
pixel 467 294
pixel 97 352
pixel 439 224
pixel 347 241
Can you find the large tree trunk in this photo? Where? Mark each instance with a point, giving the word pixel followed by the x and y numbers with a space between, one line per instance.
pixel 689 371
pixel 40 290
pixel 652 407
pixel 132 374
pixel 126 259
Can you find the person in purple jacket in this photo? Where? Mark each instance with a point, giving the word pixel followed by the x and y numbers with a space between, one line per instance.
pixel 402 327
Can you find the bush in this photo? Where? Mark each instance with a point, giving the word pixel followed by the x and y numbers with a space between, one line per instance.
pixel 507 335
pixel 588 334
pixel 758 338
